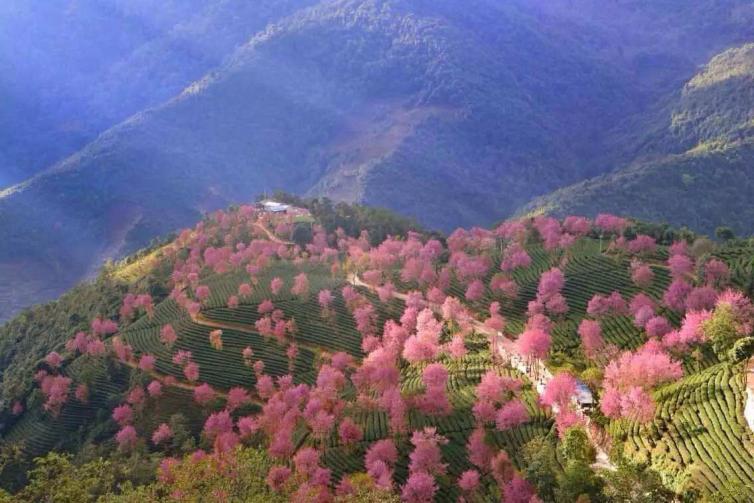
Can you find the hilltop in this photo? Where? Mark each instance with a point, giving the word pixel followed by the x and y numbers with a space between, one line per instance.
pixel 337 348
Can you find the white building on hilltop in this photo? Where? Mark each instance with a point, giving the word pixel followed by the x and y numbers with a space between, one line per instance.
pixel 271 206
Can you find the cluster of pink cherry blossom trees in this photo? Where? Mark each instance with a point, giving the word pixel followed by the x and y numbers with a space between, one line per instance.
pixel 560 394
pixel 449 291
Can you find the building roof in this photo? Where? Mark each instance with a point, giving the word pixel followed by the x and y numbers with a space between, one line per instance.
pixel 273 206
pixel 583 393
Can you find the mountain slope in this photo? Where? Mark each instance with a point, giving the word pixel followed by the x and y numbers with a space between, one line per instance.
pixel 704 179
pixel 702 189
pixel 452 113
pixel 61 88
pixel 258 332
pixel 295 109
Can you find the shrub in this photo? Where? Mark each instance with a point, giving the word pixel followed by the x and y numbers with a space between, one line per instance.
pixel 576 446
pixel 742 349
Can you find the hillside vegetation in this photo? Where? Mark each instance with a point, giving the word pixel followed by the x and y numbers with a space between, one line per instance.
pixel 330 362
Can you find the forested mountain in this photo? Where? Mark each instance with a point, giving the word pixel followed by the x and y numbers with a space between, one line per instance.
pixel 455 113
pixel 695 163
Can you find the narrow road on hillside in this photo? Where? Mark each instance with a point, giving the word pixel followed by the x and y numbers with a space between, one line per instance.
pixel 536 371
pixel 272 237
pixel 200 319
pixel 175 383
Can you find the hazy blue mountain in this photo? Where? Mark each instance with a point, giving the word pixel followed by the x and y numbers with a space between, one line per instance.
pixel 456 113
pixel 71 69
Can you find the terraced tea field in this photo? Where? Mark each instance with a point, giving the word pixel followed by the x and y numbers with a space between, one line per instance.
pixel 699 435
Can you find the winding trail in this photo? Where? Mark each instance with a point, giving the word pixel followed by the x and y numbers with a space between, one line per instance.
pixel 500 345
pixel 536 371
pixel 272 237
pixel 200 319
pixel 162 377
pixel 175 383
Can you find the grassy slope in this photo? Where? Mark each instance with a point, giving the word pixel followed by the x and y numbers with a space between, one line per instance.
pixel 699 438
pixel 702 189
pixel 224 369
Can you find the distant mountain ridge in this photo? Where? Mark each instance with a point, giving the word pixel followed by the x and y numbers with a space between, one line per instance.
pixel 114 58
pixel 697 170
pixel 454 113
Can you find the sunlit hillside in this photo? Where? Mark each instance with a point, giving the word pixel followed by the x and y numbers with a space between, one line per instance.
pixel 542 359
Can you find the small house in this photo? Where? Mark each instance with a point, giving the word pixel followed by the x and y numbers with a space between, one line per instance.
pixel 270 206
pixel 584 396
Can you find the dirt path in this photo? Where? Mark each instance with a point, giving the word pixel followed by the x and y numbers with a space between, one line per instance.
pixel 200 319
pixel 602 459
pixel 162 377
pixel 272 237
pixel 182 384
pixel 188 386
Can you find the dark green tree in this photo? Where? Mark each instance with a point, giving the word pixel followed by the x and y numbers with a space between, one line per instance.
pixel 576 446
pixel 724 233
pixel 635 483
pixel 742 349
pixel 302 234
pixel 542 467
pixel 55 478
pixel 579 481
